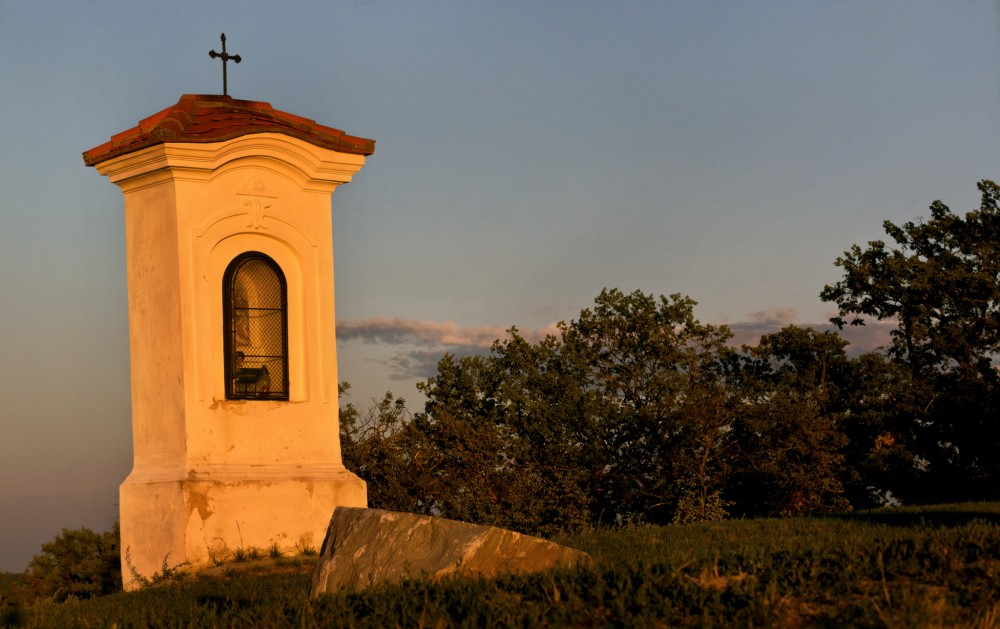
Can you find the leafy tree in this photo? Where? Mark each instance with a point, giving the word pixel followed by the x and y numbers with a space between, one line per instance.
pixel 881 400
pixel 15 596
pixel 501 459
pixel 806 361
pixel 548 415
pixel 941 283
pixel 787 445
pixel 633 411
pixel 788 459
pixel 457 459
pixel 77 563
pixel 658 376
pixel 379 445
pixel 608 421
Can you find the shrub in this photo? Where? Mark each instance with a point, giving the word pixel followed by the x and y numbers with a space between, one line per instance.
pixel 78 563
pixel 693 508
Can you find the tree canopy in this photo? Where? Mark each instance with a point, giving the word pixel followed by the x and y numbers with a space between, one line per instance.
pixel 635 411
pixel 940 283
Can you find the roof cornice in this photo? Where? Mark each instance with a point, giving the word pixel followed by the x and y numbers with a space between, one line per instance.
pixel 200 118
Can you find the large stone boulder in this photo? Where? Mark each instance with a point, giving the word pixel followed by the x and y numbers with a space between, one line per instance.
pixel 365 547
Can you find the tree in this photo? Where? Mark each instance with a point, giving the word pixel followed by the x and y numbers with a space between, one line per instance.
pixel 940 283
pixel 633 411
pixel 503 447
pixel 786 443
pixel 548 414
pixel 661 401
pixel 611 420
pixel 804 360
pixel 79 563
pixel 881 399
pixel 379 445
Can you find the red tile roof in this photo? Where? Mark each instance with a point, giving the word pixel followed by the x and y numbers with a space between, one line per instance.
pixel 212 118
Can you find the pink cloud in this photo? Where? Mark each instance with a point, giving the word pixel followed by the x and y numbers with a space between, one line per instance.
pixel 422 343
pixel 869 337
pixel 775 316
pixel 397 331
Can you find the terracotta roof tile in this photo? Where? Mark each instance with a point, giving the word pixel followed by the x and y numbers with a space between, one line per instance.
pixel 212 118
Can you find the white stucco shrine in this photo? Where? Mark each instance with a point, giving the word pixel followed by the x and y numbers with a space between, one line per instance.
pixel 232 330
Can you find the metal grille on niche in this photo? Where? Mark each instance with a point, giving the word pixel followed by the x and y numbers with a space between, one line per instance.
pixel 256 348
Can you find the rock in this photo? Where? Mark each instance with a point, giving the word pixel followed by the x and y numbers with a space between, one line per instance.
pixel 366 547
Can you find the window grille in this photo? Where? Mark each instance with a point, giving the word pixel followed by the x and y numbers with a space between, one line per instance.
pixel 256 329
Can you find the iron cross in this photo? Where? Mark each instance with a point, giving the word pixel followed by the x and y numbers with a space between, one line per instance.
pixel 225 56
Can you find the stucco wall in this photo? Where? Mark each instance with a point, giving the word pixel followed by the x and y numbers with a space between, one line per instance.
pixel 202 462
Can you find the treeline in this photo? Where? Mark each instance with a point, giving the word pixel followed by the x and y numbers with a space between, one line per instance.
pixel 637 411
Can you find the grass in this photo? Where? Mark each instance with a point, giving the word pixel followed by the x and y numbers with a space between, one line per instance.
pixel 936 566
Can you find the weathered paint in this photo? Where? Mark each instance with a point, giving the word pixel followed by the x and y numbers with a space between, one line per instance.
pixel 212 475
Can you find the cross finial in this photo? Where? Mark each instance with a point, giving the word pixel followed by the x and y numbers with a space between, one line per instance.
pixel 225 56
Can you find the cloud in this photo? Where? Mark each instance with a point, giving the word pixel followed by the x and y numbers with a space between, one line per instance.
pixel 774 316
pixel 760 323
pixel 420 364
pixel 398 331
pixel 419 345
pixel 866 338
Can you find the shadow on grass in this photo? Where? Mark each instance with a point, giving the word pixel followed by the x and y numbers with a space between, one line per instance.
pixel 929 516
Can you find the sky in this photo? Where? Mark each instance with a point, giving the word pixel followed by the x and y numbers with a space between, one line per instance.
pixel 529 153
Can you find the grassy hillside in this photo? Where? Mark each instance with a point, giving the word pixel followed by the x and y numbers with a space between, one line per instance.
pixel 935 566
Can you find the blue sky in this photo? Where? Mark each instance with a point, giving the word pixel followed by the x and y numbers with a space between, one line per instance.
pixel 528 154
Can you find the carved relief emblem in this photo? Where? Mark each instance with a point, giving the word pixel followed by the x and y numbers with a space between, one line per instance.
pixel 256 206
pixel 256 197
